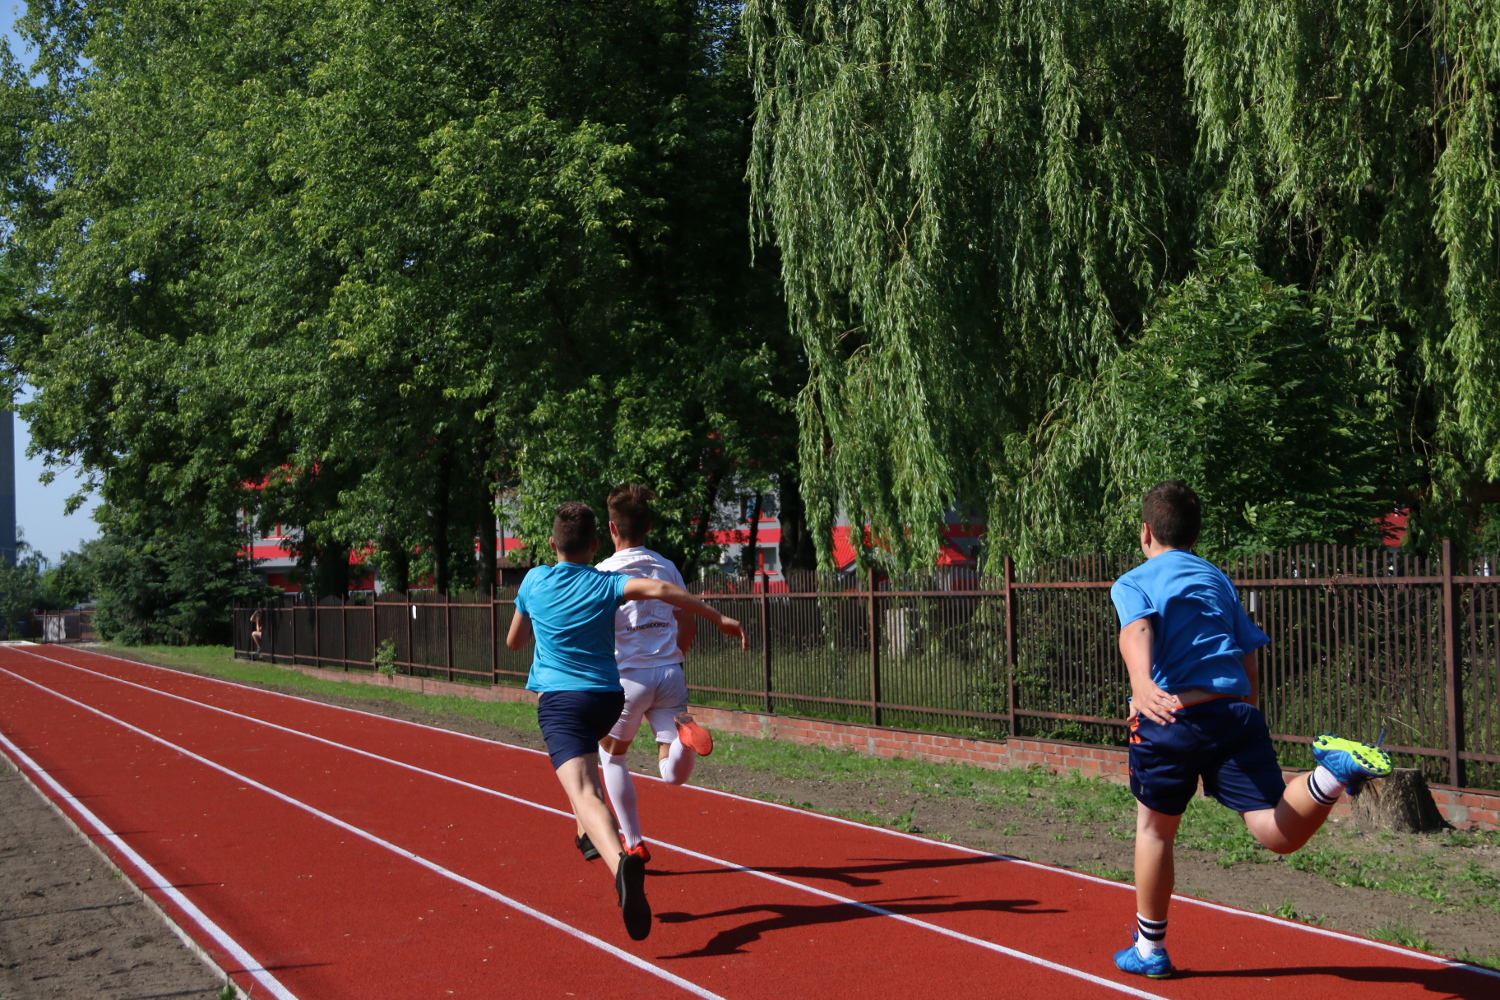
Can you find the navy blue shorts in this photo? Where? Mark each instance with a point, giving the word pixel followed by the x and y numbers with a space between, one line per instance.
pixel 573 722
pixel 1223 740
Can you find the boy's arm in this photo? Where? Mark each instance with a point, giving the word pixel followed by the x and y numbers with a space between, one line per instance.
pixel 520 631
pixel 687 628
pixel 1252 671
pixel 645 589
pixel 1146 698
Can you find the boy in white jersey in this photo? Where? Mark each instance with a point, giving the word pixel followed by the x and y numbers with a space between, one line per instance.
pixel 650 640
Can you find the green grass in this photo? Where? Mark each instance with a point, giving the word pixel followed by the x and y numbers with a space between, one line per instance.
pixel 1399 933
pixel 1489 961
pixel 219 661
pixel 1104 871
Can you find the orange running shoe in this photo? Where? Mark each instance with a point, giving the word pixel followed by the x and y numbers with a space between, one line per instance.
pixel 640 850
pixel 694 735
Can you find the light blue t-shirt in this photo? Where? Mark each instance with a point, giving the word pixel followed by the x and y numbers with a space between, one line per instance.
pixel 572 611
pixel 1202 633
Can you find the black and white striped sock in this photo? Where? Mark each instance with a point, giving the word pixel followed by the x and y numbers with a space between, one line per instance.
pixel 1152 935
pixel 1324 787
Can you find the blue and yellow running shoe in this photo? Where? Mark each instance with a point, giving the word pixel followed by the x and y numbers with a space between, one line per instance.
pixel 1158 966
pixel 1350 762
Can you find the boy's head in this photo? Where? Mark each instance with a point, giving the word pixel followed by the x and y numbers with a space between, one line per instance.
pixel 1172 511
pixel 630 513
pixel 575 531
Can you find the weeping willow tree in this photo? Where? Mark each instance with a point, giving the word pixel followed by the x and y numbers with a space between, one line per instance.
pixel 1040 254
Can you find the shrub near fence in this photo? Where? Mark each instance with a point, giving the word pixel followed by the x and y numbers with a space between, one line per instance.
pixel 1362 640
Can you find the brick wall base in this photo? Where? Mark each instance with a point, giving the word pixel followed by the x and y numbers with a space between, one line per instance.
pixel 1466 809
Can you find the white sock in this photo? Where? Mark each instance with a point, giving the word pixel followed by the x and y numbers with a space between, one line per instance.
pixel 621 789
pixel 677 766
pixel 1151 936
pixel 1324 787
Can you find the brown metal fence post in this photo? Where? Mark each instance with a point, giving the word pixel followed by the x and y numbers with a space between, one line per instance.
pixel 409 612
pixel 374 628
pixel 448 633
pixel 317 632
pixel 268 632
pixel 874 655
pixel 1451 670
pixel 494 639
pixel 344 630
pixel 294 632
pixel 1010 647
pixel 765 642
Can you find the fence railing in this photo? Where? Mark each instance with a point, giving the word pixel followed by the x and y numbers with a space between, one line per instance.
pixel 66 626
pixel 1362 641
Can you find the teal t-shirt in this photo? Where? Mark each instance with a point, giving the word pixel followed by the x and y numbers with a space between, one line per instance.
pixel 1202 633
pixel 572 611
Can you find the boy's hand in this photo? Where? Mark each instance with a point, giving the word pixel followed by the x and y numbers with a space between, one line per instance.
pixel 1155 704
pixel 731 627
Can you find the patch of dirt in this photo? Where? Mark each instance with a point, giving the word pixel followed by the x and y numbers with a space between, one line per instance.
pixel 70 925
pixel 1069 843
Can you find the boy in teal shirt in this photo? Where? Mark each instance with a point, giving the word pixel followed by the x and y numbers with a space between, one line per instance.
pixel 1191 650
pixel 570 610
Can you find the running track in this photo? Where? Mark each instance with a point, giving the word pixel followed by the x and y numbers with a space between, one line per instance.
pixel 321 853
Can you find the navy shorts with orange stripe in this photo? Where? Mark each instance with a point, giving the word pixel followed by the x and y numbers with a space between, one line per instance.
pixel 1223 740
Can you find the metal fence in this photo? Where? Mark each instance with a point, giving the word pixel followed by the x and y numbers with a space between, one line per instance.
pixel 66 626
pixel 1362 640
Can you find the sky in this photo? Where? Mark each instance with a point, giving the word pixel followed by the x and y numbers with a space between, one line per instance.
pixel 39 509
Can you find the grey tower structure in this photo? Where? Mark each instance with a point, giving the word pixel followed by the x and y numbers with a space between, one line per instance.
pixel 8 486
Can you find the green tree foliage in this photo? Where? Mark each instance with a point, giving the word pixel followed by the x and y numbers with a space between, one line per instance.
pixel 362 266
pixel 1269 399
pixel 993 217
pixel 172 583
pixel 21 588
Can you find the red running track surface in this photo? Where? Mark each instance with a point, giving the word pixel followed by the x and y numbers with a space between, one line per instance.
pixel 322 853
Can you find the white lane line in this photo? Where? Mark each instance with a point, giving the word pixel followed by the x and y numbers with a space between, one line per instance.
pixel 867 907
pixel 432 866
pixel 959 848
pixel 154 877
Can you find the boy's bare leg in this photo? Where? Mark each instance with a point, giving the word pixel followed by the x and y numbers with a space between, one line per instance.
pixel 1155 871
pixel 580 779
pixel 1292 823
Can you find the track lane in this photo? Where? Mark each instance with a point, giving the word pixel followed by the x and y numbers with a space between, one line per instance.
pixel 759 940
pixel 953 888
pixel 330 915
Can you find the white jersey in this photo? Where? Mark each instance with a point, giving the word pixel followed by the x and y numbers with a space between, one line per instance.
pixel 645 631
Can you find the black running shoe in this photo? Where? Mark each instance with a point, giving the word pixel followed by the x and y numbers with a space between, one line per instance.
pixel 586 847
pixel 630 883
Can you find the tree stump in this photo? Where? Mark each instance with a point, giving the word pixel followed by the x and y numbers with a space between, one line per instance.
pixel 1400 803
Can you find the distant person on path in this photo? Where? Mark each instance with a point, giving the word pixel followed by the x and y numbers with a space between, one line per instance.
pixel 569 609
pixel 1191 650
pixel 651 639
pixel 255 630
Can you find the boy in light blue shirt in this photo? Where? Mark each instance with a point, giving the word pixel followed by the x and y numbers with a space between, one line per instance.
pixel 1190 650
pixel 570 610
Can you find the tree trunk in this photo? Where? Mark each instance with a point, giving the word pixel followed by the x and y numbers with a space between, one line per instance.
pixel 332 573
pixel 400 565
pixel 705 519
pixel 748 556
pixel 440 502
pixel 488 539
pixel 797 549
pixel 1400 803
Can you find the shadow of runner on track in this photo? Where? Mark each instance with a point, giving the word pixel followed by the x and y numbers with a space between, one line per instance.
pixel 849 875
pixel 1444 981
pixel 789 915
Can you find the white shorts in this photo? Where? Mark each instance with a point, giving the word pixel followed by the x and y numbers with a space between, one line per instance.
pixel 657 694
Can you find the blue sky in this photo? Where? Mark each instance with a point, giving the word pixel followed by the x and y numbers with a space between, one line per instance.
pixel 39 509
